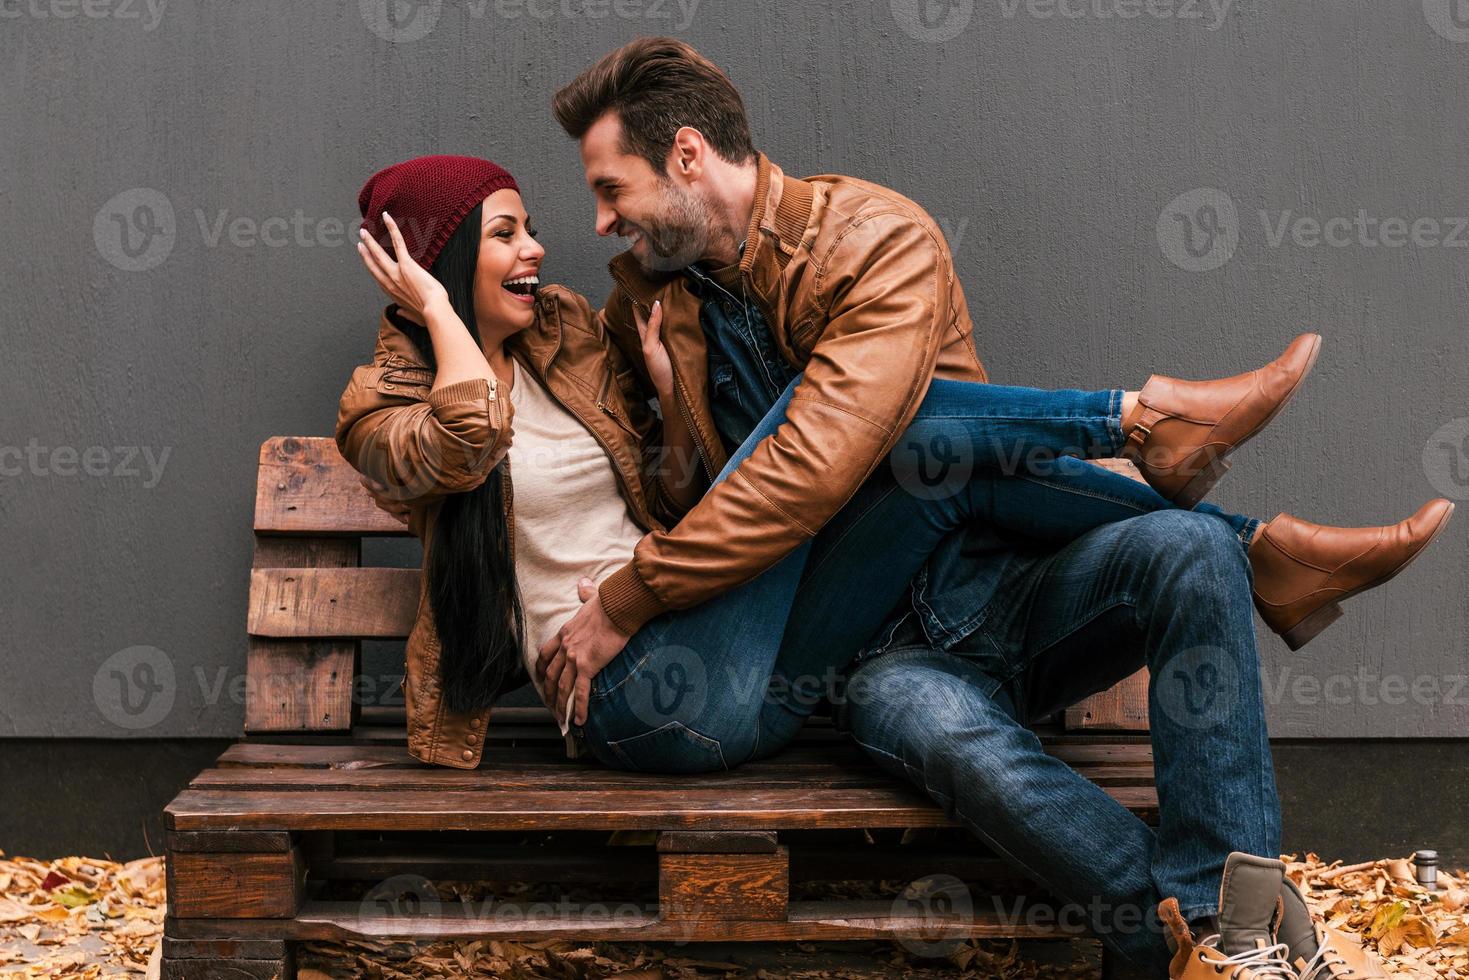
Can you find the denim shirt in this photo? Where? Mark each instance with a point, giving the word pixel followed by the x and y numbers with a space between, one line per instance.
pixel 950 596
pixel 746 372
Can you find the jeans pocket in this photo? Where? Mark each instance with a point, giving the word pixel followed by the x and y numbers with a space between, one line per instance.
pixel 673 747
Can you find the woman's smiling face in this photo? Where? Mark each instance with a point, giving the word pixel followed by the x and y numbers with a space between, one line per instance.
pixel 508 272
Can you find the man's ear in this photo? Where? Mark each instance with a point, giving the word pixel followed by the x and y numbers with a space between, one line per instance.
pixel 686 157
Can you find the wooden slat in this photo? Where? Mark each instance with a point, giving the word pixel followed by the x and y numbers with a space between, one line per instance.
pixel 295 685
pixel 299 685
pixel 320 603
pixel 551 777
pixel 359 756
pixel 304 486
pixel 238 841
pixel 813 921
pixel 693 808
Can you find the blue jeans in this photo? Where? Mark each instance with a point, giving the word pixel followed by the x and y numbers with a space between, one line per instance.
pixel 1170 591
pixel 732 679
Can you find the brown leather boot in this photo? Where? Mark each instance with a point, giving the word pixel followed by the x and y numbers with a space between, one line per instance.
pixel 1250 908
pixel 1303 571
pixel 1317 951
pixel 1183 430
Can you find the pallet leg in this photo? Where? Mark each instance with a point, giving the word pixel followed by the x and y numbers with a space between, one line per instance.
pixel 227 959
pixel 712 880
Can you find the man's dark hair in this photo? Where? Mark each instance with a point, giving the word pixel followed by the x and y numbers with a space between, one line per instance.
pixel 657 85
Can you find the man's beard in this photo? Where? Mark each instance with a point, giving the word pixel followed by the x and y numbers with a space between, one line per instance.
pixel 679 235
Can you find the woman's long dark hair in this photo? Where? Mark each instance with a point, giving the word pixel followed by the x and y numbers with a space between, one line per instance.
pixel 471 570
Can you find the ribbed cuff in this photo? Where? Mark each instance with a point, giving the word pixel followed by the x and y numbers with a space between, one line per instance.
pixel 627 600
pixel 471 389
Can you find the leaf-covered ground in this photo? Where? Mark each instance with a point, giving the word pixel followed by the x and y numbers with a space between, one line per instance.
pixel 86 917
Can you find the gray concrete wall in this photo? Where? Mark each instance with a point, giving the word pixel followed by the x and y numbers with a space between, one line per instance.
pixel 1127 185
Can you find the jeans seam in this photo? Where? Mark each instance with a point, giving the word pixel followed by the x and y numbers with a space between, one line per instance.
pixel 1089 493
pixel 1081 622
pixel 811 570
pixel 1114 418
pixel 598 696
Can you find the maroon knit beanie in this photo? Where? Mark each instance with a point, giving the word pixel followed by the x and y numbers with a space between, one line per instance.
pixel 428 197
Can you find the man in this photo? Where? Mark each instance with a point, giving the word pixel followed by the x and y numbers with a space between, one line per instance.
pixel 761 276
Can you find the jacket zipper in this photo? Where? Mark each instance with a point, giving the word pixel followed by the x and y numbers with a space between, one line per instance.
pixel 681 391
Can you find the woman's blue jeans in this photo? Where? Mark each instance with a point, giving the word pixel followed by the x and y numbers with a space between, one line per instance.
pixel 710 687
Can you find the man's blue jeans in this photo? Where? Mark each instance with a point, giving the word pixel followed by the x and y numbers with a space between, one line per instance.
pixel 1128 579
pixel 1169 591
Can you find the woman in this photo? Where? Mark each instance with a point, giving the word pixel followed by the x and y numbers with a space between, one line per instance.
pixel 522 445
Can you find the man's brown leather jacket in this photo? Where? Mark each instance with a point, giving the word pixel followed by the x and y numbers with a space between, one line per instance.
pixel 857 285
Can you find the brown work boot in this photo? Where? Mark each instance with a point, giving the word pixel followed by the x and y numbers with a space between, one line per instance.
pixel 1317 951
pixel 1303 571
pixel 1181 431
pixel 1245 948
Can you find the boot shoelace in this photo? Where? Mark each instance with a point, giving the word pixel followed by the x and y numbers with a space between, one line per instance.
pixel 1319 967
pixel 1265 963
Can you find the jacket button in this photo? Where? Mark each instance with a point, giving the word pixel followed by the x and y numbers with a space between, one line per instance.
pixel 468 755
pixel 470 739
pixel 474 723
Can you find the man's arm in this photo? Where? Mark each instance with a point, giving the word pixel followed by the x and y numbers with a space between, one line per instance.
pixel 864 381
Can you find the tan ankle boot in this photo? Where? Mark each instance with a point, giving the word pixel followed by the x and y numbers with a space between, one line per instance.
pixel 1246 948
pixel 1183 430
pixel 1317 951
pixel 1303 571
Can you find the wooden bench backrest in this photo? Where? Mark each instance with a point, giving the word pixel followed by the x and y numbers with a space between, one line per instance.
pixel 312 603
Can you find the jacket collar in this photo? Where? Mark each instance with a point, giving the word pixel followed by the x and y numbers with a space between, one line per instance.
pixel 536 346
pixel 777 228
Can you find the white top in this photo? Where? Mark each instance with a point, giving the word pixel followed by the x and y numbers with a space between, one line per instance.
pixel 570 519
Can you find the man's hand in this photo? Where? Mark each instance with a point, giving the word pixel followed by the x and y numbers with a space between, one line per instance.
pixel 575 653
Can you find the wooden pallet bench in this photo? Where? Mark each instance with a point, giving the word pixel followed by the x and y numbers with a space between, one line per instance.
pixel 318 825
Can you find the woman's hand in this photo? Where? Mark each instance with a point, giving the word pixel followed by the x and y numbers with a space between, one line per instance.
pixel 405 281
pixel 655 355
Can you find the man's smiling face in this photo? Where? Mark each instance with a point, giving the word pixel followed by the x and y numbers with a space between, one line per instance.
pixel 665 222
